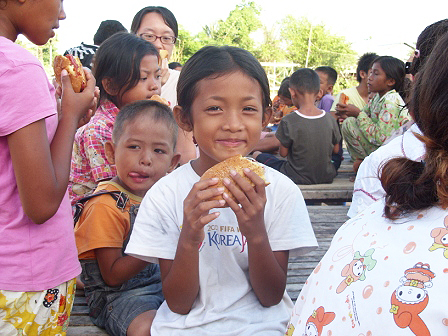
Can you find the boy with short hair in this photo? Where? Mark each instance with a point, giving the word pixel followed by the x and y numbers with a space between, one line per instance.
pixel 359 95
pixel 328 77
pixel 308 136
pixel 124 292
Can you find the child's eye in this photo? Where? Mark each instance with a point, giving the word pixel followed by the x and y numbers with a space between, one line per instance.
pixel 143 79
pixel 250 109
pixel 213 108
pixel 159 151
pixel 133 147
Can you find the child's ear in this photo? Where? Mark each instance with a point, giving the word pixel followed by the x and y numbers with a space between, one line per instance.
pixel 390 82
pixel 267 116
pixel 174 162
pixel 109 149
pixel 182 120
pixel 320 94
pixel 363 74
pixel 109 86
pixel 330 89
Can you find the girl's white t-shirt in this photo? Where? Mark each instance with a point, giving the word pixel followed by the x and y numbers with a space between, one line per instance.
pixel 226 304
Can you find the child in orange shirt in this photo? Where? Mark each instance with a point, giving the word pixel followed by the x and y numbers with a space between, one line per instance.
pixel 123 292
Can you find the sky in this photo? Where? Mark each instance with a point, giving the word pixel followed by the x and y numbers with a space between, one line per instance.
pixel 381 26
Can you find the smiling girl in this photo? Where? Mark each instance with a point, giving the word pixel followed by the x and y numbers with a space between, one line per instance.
pixel 223 269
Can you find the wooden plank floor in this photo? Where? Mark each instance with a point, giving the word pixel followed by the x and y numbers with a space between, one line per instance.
pixel 325 220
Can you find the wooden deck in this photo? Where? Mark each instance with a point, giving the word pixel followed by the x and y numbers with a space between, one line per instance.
pixel 325 220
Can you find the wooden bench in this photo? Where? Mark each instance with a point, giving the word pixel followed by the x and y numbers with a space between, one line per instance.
pixel 325 220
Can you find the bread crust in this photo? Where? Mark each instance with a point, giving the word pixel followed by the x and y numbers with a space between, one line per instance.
pixel 163 54
pixel 343 99
pixel 160 99
pixel 75 72
pixel 237 163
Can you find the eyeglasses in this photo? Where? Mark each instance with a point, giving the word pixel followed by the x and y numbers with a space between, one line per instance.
pixel 163 39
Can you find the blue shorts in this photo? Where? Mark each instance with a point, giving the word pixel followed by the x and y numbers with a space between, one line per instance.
pixel 114 308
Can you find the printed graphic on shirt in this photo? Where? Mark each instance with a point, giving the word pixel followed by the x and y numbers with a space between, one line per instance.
pixel 356 269
pixel 220 236
pixel 411 298
pixel 317 321
pixel 440 236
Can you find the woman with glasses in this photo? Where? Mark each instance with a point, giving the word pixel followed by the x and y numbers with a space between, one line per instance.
pixel 159 26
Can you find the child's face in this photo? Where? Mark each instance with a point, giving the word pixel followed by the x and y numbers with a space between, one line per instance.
pixel 42 18
pixel 149 83
pixel 143 154
pixel 324 86
pixel 227 116
pixel 378 81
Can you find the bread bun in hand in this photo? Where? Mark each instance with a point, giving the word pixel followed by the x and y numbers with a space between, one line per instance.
pixel 159 99
pixel 163 54
pixel 237 163
pixel 343 99
pixel 74 68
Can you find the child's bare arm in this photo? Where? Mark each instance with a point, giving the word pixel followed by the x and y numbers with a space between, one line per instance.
pixel 283 151
pixel 336 149
pixel 267 269
pixel 42 169
pixel 115 268
pixel 180 277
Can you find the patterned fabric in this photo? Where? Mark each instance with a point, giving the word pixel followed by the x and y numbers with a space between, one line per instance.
pixel 374 124
pixel 84 52
pixel 37 313
pixel 89 163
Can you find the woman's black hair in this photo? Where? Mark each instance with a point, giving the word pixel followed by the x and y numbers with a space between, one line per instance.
pixel 167 15
pixel 213 62
pixel 426 42
pixel 118 60
pixel 394 69
pixel 409 185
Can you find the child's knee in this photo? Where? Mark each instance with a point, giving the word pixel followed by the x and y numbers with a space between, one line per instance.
pixel 141 325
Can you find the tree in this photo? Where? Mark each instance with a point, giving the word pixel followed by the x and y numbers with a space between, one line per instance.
pixel 271 47
pixel 186 46
pixel 44 53
pixel 236 29
pixel 313 45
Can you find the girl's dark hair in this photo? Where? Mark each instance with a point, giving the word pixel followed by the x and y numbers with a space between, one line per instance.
pixel 283 90
pixel 118 59
pixel 157 111
pixel 410 185
pixel 167 15
pixel 213 62
pixel 426 41
pixel 394 69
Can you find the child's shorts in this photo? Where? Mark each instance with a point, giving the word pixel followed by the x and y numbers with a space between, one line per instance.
pixel 37 313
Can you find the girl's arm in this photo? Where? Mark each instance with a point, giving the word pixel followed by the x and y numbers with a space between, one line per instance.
pixel 283 151
pixel 267 269
pixel 180 277
pixel 115 268
pixel 42 169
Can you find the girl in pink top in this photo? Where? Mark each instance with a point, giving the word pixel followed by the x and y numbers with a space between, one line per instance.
pixel 38 258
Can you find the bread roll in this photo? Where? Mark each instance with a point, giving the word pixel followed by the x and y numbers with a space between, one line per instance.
pixel 343 99
pixel 163 54
pixel 74 68
pixel 160 99
pixel 237 163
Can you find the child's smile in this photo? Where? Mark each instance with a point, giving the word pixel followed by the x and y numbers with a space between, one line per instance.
pixel 227 116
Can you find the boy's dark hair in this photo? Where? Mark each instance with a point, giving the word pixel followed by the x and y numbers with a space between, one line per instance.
pixel 157 111
pixel 167 15
pixel 364 64
pixel 106 29
pixel 283 90
pixel 213 62
pixel 305 80
pixel 174 65
pixel 331 73
pixel 394 69
pixel 118 59
pixel 426 42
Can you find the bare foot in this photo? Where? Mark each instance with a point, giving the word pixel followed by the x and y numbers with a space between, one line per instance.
pixel 356 165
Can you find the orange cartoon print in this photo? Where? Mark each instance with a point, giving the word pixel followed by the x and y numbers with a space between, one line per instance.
pixel 411 298
pixel 440 236
pixel 317 321
pixel 356 269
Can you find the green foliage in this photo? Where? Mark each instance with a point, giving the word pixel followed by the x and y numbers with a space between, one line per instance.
pixel 236 29
pixel 271 48
pixel 186 46
pixel 44 53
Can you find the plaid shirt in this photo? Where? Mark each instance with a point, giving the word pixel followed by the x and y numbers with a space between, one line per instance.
pixel 89 164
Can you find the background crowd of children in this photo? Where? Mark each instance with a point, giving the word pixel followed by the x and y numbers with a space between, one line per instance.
pixel 156 252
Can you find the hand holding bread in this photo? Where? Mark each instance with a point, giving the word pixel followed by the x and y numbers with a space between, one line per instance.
pixel 73 66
